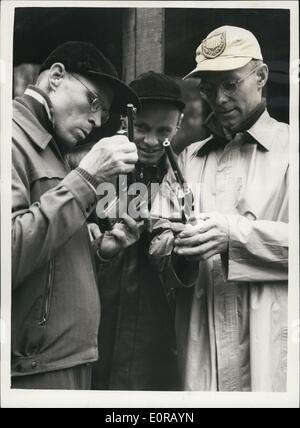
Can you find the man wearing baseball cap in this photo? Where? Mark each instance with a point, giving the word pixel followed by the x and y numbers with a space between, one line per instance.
pixel 55 302
pixel 232 324
pixel 137 348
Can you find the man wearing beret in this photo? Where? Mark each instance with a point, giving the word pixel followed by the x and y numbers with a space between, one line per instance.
pixel 232 321
pixel 55 302
pixel 137 349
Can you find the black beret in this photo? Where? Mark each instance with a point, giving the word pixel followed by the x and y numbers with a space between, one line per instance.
pixel 152 86
pixel 84 58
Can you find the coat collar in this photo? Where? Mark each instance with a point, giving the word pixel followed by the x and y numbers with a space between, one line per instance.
pixel 30 124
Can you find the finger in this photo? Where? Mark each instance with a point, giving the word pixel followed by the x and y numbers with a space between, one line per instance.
pixel 177 227
pixel 129 227
pixel 196 239
pixel 118 143
pixel 199 250
pixel 200 227
pixel 123 169
pixel 190 230
pixel 132 232
pixel 120 236
pixel 128 157
pixel 94 230
pixel 119 138
pixel 127 147
pixel 144 211
pixel 129 223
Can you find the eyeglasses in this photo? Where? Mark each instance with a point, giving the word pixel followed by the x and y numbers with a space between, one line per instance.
pixel 229 87
pixel 96 102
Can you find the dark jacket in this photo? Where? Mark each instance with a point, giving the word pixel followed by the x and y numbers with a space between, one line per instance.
pixel 137 348
pixel 55 301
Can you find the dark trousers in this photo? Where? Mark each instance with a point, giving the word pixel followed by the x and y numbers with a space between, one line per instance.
pixel 78 377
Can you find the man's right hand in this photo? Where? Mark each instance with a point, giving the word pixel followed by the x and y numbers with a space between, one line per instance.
pixel 110 157
pixel 122 235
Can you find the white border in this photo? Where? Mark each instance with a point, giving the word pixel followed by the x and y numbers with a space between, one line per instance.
pixel 108 399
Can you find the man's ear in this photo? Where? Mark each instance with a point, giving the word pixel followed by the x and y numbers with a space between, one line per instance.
pixel 262 74
pixel 57 73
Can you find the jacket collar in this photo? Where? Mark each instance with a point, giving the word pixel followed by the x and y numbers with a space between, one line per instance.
pixel 42 99
pixel 29 122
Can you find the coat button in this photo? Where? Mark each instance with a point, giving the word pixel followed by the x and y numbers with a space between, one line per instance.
pixel 33 364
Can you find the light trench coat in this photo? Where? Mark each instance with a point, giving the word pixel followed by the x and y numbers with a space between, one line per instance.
pixel 232 323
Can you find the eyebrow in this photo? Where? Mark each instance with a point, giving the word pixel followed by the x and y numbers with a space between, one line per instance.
pixel 141 123
pixel 165 128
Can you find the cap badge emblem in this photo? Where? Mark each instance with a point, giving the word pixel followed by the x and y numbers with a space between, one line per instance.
pixel 214 46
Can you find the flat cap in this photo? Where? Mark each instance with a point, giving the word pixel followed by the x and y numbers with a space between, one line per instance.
pixel 152 86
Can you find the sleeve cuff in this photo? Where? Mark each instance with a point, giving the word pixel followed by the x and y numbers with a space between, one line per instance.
pixel 88 177
pixel 81 190
pixel 249 258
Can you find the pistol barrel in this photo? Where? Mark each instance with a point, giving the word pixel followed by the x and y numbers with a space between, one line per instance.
pixel 172 159
pixel 130 124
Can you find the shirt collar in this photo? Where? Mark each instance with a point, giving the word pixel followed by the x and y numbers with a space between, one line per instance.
pixel 262 132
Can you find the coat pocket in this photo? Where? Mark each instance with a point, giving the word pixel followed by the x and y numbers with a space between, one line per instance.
pixel 47 295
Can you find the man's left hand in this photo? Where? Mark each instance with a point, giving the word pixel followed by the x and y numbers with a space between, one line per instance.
pixel 204 239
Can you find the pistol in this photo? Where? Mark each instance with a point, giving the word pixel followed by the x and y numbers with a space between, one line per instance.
pixel 117 206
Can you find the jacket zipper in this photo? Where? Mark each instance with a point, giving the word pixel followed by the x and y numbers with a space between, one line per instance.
pixel 46 303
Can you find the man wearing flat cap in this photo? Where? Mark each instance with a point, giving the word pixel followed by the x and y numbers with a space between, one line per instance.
pixel 137 344
pixel 232 321
pixel 55 302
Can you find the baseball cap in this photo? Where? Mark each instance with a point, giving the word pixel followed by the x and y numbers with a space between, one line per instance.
pixel 152 86
pixel 226 48
pixel 84 58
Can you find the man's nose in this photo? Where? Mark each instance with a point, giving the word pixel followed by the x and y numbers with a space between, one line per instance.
pixel 95 119
pixel 220 95
pixel 151 140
